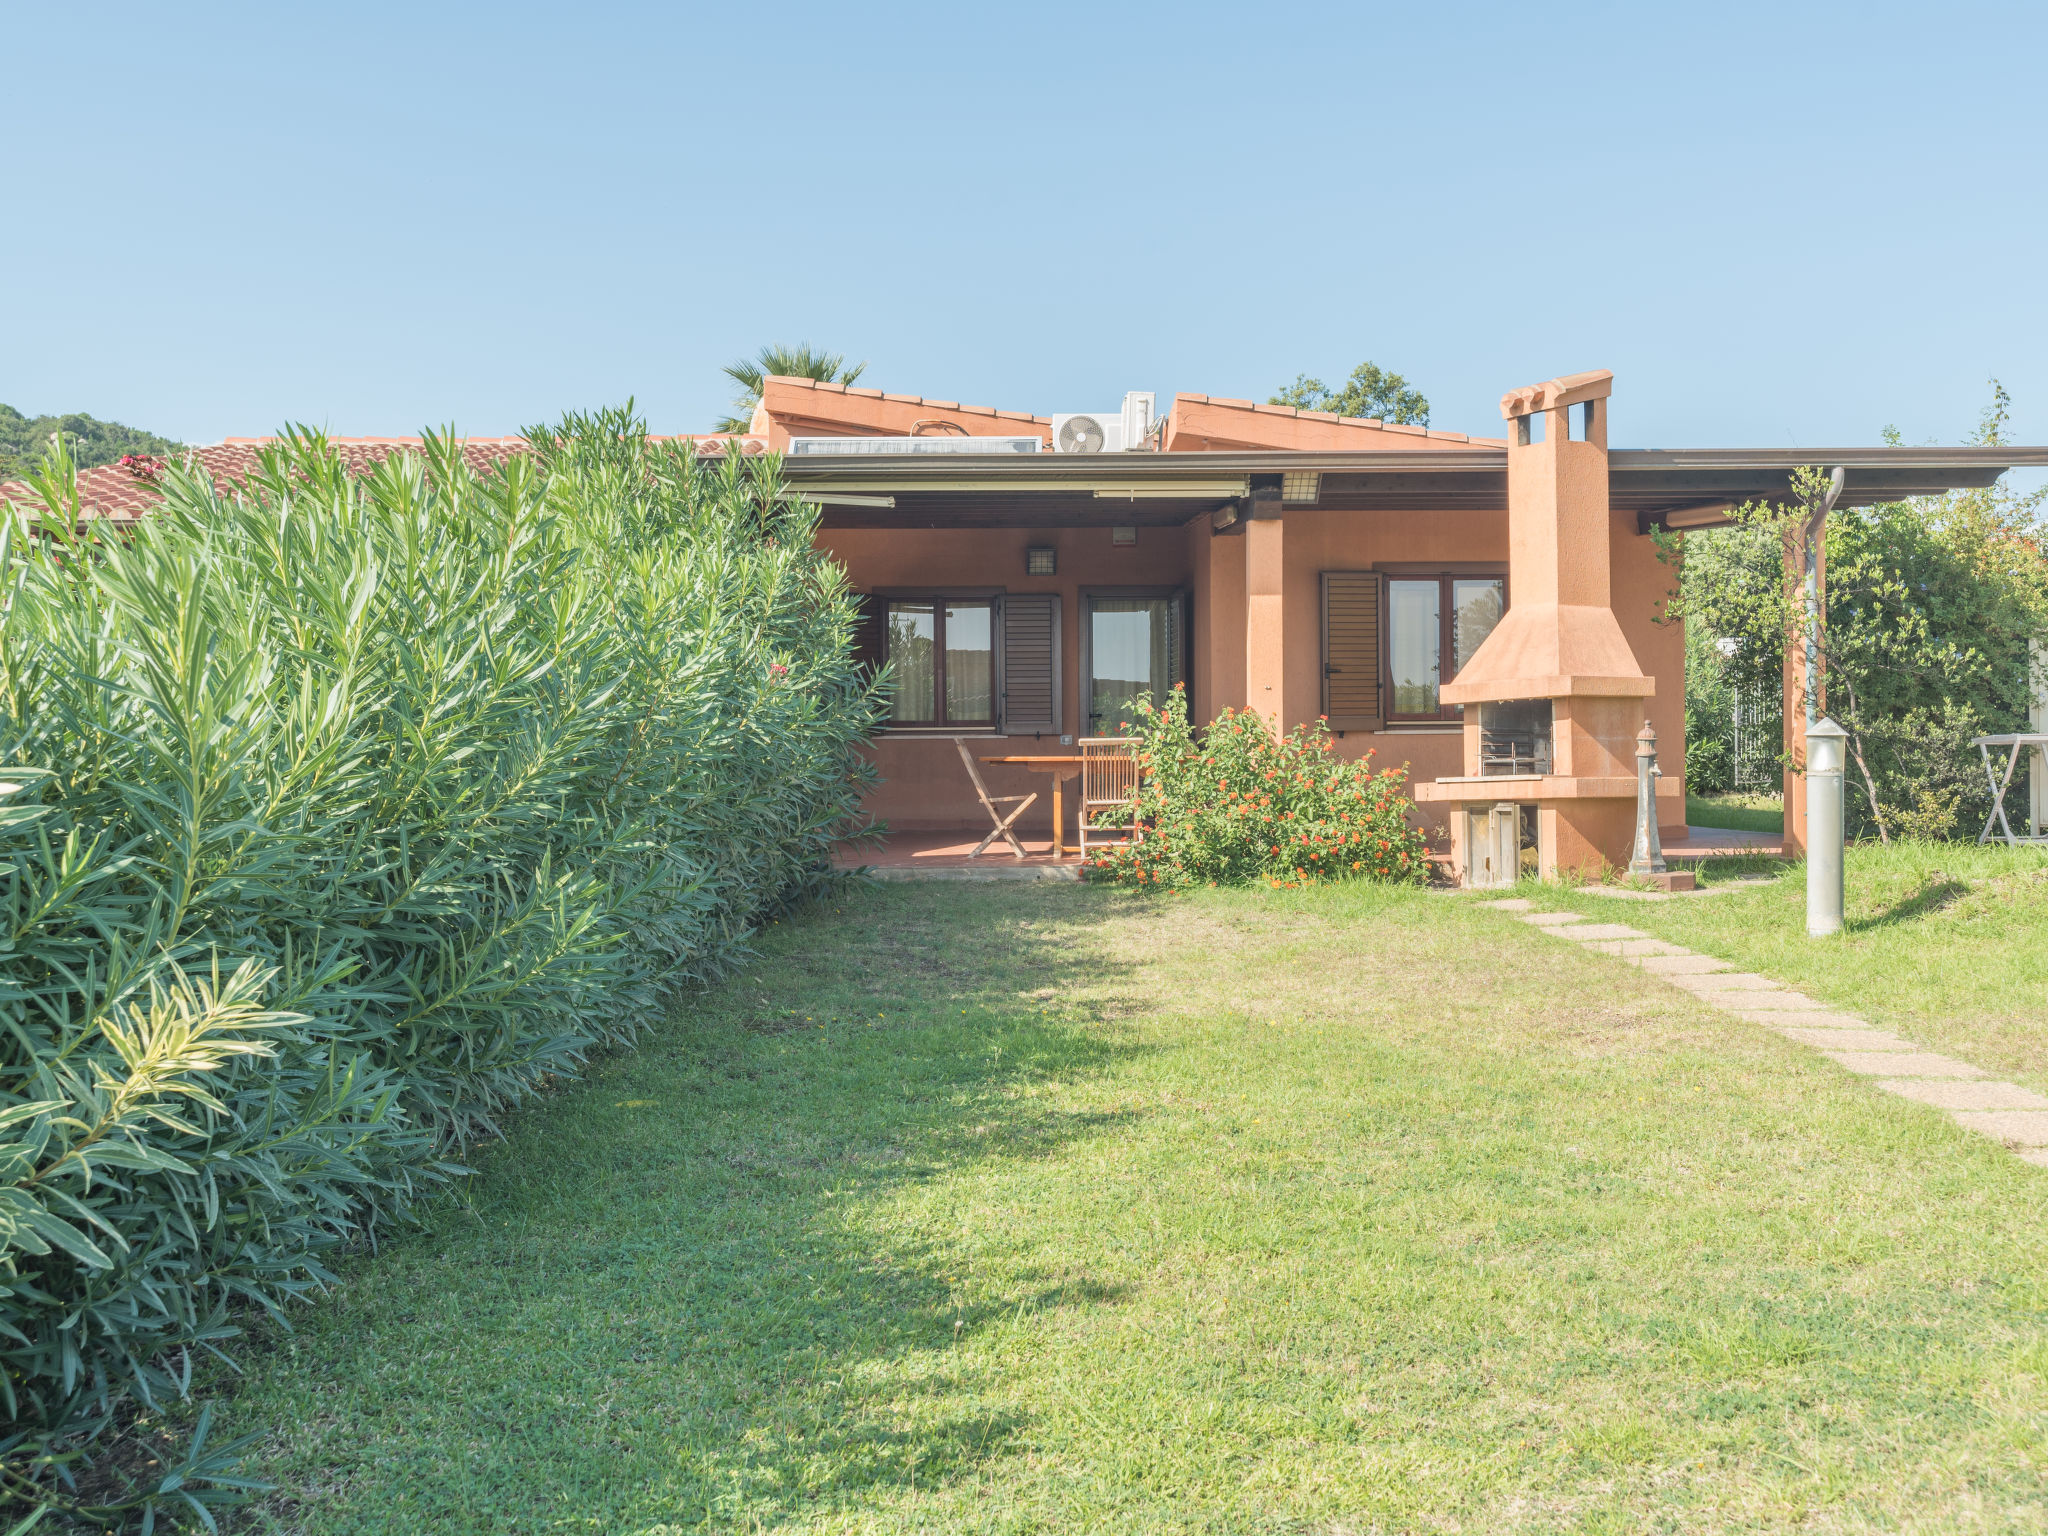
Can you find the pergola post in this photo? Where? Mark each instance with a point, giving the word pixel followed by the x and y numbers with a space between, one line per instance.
pixel 1805 673
pixel 1265 630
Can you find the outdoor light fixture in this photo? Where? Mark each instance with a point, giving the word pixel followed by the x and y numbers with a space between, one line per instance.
pixel 1123 534
pixel 1039 562
pixel 1826 765
pixel 1172 490
pixel 1300 485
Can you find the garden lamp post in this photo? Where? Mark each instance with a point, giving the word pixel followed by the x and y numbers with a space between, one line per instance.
pixel 1826 760
pixel 1648 858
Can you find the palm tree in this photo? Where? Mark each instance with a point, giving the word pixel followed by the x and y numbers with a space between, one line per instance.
pixel 785 362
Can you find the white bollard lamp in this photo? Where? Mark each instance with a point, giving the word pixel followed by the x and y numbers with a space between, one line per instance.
pixel 1827 756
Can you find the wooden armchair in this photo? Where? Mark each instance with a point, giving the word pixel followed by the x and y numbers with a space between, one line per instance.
pixel 1109 777
pixel 990 803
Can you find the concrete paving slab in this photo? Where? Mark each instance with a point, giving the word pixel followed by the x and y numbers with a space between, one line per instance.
pixel 1819 1018
pixel 1728 981
pixel 1629 949
pixel 1509 904
pixel 1761 1007
pixel 1550 919
pixel 1680 965
pixel 1963 1095
pixel 1848 1039
pixel 1902 1064
pixel 2014 1127
pixel 1585 931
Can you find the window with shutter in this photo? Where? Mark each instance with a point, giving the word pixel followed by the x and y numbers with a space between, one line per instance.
pixel 1031 664
pixel 1351 650
pixel 871 632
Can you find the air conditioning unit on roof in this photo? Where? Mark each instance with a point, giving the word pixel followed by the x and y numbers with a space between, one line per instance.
pixel 1105 431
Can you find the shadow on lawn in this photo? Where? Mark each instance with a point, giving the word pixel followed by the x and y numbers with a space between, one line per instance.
pixel 752 1297
pixel 1940 893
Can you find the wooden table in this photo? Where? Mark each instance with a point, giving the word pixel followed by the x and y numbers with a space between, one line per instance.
pixel 1061 768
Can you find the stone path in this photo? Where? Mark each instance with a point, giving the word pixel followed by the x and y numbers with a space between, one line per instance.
pixel 2015 1116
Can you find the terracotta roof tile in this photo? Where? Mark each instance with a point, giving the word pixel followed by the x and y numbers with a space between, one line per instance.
pixel 121 495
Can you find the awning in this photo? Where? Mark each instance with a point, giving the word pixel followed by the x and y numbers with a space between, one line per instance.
pixel 1679 488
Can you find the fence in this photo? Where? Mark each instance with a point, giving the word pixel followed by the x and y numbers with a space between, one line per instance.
pixel 1759 741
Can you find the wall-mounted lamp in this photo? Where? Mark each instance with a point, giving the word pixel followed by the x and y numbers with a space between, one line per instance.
pixel 1040 562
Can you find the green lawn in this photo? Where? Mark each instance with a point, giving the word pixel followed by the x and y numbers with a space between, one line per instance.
pixel 1946 942
pixel 1025 1208
pixel 1736 813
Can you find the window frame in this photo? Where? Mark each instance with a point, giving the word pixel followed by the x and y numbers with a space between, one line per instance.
pixel 939 598
pixel 1084 679
pixel 1446 576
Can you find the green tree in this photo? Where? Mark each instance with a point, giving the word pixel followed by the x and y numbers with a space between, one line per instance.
pixel 1931 606
pixel 88 440
pixel 1371 391
pixel 777 360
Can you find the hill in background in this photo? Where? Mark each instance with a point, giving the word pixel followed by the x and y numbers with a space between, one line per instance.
pixel 23 439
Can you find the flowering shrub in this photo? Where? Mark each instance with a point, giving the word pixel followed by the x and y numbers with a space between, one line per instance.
pixel 1240 806
pixel 143 466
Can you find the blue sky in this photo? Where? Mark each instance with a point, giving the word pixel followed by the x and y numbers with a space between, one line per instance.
pixel 1779 225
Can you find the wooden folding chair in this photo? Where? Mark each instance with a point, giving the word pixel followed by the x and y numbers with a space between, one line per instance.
pixel 1109 777
pixel 990 802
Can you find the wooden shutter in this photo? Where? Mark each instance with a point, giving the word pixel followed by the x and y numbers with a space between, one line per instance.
pixel 1030 663
pixel 1351 650
pixel 871 632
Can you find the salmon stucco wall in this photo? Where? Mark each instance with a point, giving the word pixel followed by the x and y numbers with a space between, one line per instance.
pixel 924 786
pixel 1642 583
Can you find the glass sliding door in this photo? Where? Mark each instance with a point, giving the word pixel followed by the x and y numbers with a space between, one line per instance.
pixel 1135 646
pixel 942 656
pixel 1435 625
pixel 914 662
pixel 1415 645
pixel 970 663
pixel 1476 606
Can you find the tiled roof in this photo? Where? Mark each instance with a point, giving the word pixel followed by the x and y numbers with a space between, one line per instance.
pixel 1330 419
pixel 122 494
pixel 919 400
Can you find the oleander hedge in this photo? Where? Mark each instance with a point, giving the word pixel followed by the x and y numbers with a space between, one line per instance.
pixel 339 817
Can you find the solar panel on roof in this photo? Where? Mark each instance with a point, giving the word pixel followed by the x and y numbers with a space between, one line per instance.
pixel 800 446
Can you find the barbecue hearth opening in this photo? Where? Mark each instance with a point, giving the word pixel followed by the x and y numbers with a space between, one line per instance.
pixel 1515 737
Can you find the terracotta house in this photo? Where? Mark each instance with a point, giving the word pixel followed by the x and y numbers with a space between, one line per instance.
pixel 1487 611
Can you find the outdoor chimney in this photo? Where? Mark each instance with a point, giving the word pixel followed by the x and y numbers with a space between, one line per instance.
pixel 1557 673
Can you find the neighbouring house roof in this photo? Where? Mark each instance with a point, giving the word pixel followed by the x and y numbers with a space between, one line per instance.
pixel 121 493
